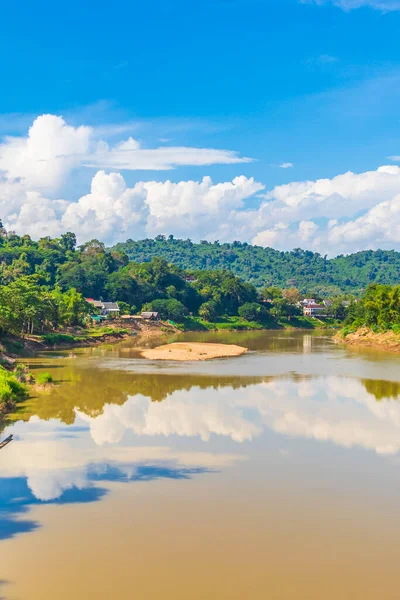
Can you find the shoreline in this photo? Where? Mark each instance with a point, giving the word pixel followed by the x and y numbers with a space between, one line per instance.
pixel 366 338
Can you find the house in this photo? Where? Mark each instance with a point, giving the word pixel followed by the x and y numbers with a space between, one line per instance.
pixel 308 301
pixel 96 303
pixel 110 308
pixel 190 279
pixel 106 308
pixel 150 316
pixel 314 310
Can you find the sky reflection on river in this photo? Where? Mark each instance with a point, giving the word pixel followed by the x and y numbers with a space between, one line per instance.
pixel 103 432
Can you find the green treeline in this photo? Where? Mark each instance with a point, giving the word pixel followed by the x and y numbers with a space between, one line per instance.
pixel 378 309
pixel 310 272
pixel 43 286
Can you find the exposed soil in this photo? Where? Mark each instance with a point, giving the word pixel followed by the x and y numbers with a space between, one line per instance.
pixel 368 339
pixel 188 351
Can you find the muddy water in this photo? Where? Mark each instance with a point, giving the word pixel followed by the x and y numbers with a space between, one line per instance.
pixel 272 475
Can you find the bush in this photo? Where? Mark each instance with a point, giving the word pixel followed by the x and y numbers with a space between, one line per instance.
pixel 58 338
pixel 44 378
pixel 11 390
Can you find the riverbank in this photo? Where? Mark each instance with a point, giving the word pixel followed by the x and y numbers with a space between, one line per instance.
pixel 197 324
pixel 365 337
pixel 193 351
pixel 12 391
pixel 79 337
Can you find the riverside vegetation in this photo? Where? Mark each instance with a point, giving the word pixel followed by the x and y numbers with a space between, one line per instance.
pixel 375 319
pixel 43 286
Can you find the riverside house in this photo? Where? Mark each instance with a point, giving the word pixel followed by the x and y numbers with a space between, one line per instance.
pixel 314 310
pixel 106 308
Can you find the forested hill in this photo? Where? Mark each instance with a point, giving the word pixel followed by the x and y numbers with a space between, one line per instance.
pixel 265 266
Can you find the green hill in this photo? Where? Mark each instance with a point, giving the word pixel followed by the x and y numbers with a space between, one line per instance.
pixel 265 266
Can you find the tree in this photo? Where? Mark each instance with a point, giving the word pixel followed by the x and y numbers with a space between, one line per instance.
pixel 292 295
pixel 252 311
pixel 208 310
pixel 122 285
pixel 271 293
pixel 124 308
pixel 168 309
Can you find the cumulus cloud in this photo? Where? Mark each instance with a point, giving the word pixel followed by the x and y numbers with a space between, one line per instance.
pixel 349 212
pixel 45 157
pixel 382 5
pixel 286 165
pixel 112 211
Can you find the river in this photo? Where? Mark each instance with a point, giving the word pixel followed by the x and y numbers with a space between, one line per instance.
pixel 272 475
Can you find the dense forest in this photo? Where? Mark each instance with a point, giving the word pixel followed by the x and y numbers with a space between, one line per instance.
pixel 263 267
pixel 44 285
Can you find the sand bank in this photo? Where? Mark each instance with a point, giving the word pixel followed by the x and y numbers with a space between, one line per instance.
pixel 185 351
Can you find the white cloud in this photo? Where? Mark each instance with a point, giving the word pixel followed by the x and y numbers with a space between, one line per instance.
pixel 349 212
pixel 112 211
pixel 382 5
pixel 45 157
pixel 286 165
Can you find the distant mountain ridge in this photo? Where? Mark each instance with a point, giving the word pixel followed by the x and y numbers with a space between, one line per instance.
pixel 309 271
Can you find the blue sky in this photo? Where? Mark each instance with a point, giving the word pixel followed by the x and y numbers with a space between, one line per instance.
pixel 313 83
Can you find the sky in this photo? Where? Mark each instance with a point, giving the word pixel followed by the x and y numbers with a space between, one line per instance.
pixel 274 122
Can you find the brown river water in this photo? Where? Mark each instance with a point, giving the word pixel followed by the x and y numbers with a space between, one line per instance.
pixel 271 475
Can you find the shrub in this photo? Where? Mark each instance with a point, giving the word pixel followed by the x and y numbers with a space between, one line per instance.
pixel 11 390
pixel 58 338
pixel 44 378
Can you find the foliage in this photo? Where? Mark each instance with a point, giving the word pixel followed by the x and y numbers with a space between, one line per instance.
pixel 11 391
pixel 44 284
pixel 378 309
pixel 252 311
pixel 208 310
pixel 312 273
pixel 44 378
pixel 168 309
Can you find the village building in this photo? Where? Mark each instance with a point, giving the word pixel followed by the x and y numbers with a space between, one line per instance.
pixel 106 308
pixel 150 316
pixel 314 310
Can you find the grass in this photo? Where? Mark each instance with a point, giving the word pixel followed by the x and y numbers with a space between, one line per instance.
pixel 11 391
pixel 54 339
pixel 239 324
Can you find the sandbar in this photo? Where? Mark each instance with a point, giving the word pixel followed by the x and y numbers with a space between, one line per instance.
pixel 193 351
